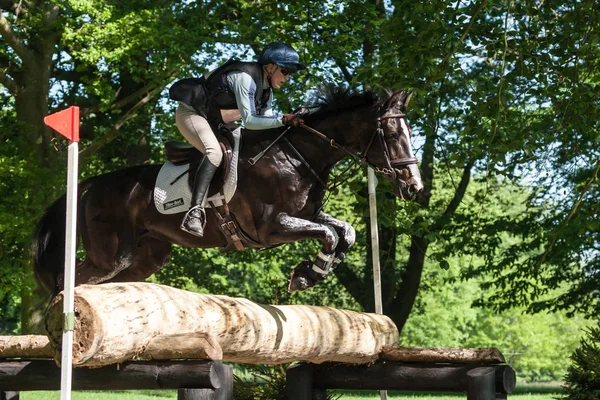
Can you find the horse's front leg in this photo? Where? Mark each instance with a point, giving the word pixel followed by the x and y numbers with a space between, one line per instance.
pixel 289 229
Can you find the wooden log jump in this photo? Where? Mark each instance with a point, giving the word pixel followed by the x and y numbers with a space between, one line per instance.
pixel 192 333
pixel 118 321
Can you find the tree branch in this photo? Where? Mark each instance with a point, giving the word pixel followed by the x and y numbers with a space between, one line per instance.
pixel 13 7
pixel 13 41
pixel 461 189
pixel 8 83
pixel 112 135
pixel 586 188
pixel 344 68
pixel 442 65
pixel 131 97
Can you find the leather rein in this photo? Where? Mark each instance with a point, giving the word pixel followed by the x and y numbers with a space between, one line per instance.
pixel 391 164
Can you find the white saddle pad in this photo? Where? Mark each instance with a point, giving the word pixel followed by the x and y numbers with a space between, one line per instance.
pixel 172 193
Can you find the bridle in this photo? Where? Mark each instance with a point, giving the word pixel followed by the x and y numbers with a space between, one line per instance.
pixel 361 156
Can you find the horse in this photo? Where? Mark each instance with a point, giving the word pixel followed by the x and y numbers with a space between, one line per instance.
pixel 279 197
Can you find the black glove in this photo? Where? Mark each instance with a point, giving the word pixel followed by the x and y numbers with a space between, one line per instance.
pixel 293 120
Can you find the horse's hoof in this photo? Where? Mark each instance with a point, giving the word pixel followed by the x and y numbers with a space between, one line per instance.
pixel 301 279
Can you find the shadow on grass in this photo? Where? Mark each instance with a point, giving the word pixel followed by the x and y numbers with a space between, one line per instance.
pixel 552 390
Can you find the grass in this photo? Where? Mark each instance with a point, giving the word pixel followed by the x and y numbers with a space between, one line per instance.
pixel 522 392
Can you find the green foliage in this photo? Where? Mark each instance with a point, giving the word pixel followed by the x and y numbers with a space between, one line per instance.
pixel 258 382
pixel 505 114
pixel 536 346
pixel 582 381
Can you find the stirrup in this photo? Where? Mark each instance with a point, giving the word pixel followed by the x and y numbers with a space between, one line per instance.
pixel 194 221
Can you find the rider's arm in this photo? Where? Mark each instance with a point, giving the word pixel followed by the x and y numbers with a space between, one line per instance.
pixel 244 89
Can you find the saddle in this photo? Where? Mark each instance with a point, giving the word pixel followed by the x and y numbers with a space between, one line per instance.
pixel 224 181
pixel 180 153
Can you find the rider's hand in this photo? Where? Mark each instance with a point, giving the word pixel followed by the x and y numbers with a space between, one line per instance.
pixel 293 120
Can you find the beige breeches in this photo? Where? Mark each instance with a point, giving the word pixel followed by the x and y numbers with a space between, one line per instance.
pixel 198 132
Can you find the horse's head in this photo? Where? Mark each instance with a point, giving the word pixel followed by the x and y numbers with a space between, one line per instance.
pixel 390 149
pixel 374 131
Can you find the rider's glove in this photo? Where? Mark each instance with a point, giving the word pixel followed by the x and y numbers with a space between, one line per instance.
pixel 292 120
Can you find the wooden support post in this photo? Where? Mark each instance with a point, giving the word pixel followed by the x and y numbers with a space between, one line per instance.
pixel 299 383
pixel 481 384
pixel 225 392
pixel 9 395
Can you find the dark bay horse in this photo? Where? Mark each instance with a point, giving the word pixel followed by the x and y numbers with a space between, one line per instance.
pixel 278 200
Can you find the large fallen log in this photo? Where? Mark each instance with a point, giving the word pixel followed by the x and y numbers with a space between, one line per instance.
pixel 115 322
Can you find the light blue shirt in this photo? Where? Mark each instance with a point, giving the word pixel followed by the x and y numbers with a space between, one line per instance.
pixel 244 89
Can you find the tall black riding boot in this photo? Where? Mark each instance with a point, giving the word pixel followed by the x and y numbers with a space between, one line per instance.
pixel 195 218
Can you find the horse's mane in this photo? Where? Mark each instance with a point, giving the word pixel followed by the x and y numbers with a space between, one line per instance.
pixel 334 99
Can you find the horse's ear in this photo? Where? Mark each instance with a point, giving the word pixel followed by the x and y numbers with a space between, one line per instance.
pixel 407 98
pixel 400 99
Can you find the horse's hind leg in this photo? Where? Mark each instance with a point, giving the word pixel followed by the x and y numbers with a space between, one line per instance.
pixel 105 259
pixel 109 245
pixel 149 256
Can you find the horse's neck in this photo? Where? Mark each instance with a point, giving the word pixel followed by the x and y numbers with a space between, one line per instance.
pixel 344 130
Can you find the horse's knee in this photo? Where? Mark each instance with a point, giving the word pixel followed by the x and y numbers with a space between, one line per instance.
pixel 349 235
pixel 331 239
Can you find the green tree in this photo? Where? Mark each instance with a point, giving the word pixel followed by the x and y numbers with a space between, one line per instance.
pixel 503 91
pixel 582 381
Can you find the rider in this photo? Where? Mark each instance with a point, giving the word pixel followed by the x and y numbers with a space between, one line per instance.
pixel 236 90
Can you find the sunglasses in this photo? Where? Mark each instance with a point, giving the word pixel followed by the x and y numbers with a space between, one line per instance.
pixel 285 71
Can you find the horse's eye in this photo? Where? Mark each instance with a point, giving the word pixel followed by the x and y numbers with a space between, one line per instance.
pixel 392 135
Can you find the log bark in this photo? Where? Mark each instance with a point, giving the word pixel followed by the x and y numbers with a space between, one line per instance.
pixel 114 321
pixel 197 345
pixel 25 346
pixel 442 355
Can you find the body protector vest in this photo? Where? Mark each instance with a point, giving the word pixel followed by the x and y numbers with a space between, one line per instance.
pixel 209 95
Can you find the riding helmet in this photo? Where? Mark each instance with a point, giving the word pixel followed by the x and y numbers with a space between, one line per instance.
pixel 282 55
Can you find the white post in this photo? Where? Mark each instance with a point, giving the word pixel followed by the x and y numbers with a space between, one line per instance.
pixel 375 241
pixel 69 279
pixel 372 184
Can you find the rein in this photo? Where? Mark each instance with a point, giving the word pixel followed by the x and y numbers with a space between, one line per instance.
pixel 361 156
pixel 379 132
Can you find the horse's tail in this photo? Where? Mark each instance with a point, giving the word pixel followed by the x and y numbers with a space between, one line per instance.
pixel 49 243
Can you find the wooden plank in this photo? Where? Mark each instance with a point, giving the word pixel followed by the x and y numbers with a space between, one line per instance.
pixel 442 355
pixel 134 375
pixel 405 376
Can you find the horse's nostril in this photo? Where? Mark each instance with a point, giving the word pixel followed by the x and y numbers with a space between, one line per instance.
pixel 414 189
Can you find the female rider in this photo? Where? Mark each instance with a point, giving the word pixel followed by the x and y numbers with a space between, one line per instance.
pixel 236 90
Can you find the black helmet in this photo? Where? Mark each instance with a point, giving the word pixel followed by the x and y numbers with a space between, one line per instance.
pixel 281 54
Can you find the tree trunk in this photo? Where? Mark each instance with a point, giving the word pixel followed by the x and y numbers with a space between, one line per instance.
pixel 405 297
pixel 115 322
